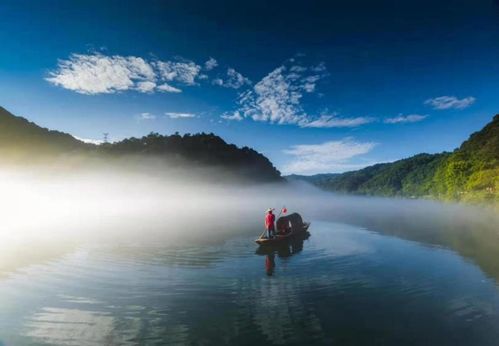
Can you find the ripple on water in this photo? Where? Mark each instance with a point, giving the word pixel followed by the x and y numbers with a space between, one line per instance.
pixel 342 285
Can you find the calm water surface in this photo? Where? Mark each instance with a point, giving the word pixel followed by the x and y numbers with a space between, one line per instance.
pixel 343 285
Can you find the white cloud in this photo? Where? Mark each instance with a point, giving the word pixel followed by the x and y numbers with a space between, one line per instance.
pixel 233 80
pixel 277 97
pixel 326 121
pixel 321 67
pixel 450 102
pixel 297 68
pixel 218 81
pixel 411 118
pixel 210 64
pixel 332 156
pixel 168 88
pixel 146 116
pixel 90 140
pixel 175 115
pixel 146 87
pixel 100 74
pixel 234 116
pixel 184 72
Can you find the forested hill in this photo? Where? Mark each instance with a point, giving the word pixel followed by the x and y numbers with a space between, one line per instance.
pixel 201 150
pixel 20 138
pixel 470 173
pixel 22 141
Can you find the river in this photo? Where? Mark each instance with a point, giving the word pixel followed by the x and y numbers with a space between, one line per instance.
pixel 412 278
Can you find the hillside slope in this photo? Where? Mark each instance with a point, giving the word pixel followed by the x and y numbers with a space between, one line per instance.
pixel 198 150
pixel 22 141
pixel 470 173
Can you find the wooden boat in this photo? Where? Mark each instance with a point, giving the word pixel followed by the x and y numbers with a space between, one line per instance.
pixel 288 227
pixel 281 238
pixel 286 248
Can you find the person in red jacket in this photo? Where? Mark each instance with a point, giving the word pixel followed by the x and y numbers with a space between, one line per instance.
pixel 270 223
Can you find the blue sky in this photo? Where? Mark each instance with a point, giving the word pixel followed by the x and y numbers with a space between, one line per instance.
pixel 317 86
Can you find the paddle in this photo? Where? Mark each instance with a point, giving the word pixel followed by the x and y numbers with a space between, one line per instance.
pixel 261 235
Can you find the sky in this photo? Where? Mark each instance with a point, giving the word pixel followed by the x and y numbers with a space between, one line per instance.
pixel 316 86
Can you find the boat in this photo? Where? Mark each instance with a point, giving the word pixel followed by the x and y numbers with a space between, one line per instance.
pixel 284 248
pixel 281 238
pixel 288 227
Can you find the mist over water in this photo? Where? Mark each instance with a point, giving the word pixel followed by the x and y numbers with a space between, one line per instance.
pixel 143 258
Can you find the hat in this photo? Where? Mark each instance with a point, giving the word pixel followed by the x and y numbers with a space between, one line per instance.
pixel 270 209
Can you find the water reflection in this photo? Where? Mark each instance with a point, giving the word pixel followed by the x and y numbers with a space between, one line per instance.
pixel 343 285
pixel 61 326
pixel 472 232
pixel 270 264
pixel 285 249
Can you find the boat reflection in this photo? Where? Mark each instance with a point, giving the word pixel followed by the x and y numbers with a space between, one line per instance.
pixel 283 250
pixel 270 264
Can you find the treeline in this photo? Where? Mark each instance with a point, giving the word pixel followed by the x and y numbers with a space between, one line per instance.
pixel 22 141
pixel 201 149
pixel 470 173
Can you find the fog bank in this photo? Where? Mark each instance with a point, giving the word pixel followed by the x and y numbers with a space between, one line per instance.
pixel 52 211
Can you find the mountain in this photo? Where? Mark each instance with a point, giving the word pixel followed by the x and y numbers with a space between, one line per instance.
pixel 199 150
pixel 470 173
pixel 22 141
pixel 317 179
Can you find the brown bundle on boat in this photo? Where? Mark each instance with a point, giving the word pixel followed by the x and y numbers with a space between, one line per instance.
pixel 292 222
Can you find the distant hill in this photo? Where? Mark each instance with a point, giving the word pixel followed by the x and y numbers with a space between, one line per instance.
pixel 22 141
pixel 470 173
pixel 202 150
pixel 405 177
pixel 317 179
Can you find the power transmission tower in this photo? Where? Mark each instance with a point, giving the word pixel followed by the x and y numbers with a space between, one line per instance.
pixel 106 137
